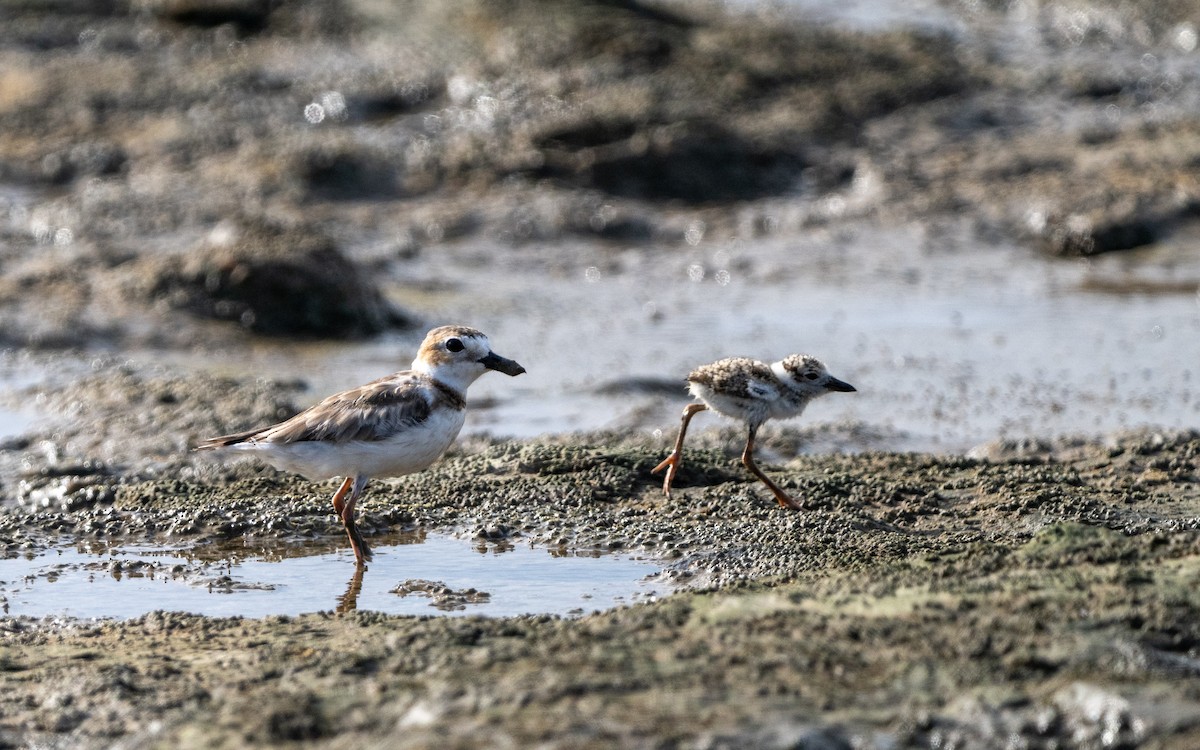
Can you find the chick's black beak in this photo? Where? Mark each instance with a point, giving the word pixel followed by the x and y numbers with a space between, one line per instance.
pixel 839 385
pixel 494 361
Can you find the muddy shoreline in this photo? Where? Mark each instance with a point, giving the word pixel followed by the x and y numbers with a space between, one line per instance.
pixel 918 600
pixel 213 213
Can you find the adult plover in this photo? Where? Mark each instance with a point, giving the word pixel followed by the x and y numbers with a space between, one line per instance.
pixel 396 425
pixel 753 392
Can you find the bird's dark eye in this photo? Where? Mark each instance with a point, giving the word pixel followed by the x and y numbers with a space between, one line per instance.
pixel 811 375
pixel 455 345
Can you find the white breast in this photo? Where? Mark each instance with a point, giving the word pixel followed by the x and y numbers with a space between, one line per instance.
pixel 753 410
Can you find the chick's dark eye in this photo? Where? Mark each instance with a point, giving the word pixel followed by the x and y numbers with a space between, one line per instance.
pixel 455 345
pixel 811 375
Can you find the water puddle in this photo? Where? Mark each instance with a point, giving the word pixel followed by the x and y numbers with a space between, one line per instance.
pixel 950 343
pixel 14 422
pixel 864 15
pixel 421 575
pixel 17 413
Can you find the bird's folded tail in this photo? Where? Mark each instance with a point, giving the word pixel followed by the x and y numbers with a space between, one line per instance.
pixel 225 441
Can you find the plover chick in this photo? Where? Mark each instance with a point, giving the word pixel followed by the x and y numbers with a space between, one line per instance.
pixel 397 425
pixel 753 392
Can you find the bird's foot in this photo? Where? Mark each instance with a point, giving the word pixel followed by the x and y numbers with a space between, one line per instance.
pixel 785 500
pixel 671 463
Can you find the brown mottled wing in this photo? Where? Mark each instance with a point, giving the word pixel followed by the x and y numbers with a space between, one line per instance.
pixel 738 377
pixel 374 411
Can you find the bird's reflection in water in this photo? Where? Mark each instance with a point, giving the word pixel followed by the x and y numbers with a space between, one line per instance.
pixel 348 601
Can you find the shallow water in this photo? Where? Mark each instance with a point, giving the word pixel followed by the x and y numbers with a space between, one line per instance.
pixel 16 418
pixel 129 581
pixel 866 15
pixel 13 422
pixel 950 342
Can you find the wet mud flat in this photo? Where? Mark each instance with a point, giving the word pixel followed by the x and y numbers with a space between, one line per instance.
pixel 1045 595
pixel 174 174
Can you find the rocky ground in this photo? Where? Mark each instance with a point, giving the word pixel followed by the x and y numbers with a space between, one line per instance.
pixel 174 173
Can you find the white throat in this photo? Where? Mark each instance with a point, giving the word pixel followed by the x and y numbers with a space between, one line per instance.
pixel 458 375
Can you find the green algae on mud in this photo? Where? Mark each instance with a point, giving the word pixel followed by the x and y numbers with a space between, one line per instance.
pixel 1048 594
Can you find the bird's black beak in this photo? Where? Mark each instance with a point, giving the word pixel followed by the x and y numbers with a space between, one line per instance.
pixel 839 385
pixel 494 361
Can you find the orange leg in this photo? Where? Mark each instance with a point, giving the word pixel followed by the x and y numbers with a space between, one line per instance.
pixel 344 507
pixel 339 497
pixel 784 499
pixel 672 462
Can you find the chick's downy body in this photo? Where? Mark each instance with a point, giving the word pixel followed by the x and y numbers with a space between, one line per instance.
pixel 753 392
